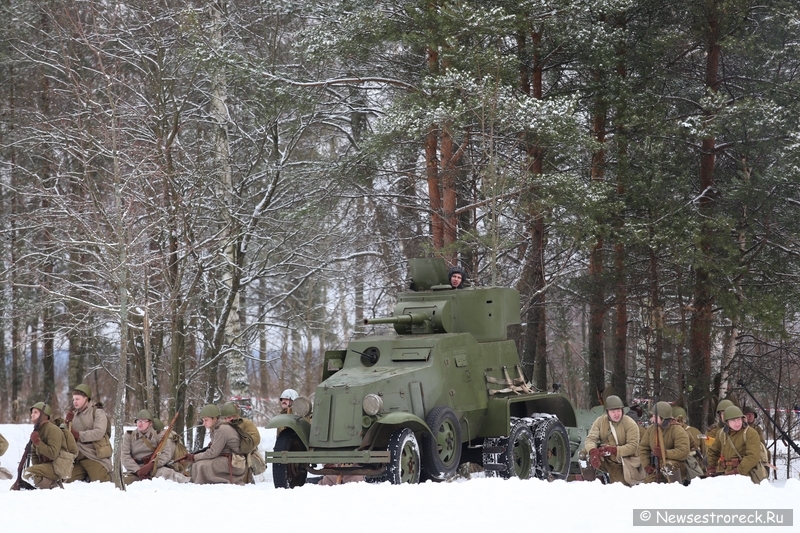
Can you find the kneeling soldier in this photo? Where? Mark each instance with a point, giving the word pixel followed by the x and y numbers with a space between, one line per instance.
pixel 735 450
pixel 137 451
pixel 221 462
pixel 664 447
pixel 613 444
pixel 47 441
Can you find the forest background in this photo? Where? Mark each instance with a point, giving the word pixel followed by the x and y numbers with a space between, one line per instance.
pixel 197 199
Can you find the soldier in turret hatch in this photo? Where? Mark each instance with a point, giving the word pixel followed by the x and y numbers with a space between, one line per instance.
pixel 456 277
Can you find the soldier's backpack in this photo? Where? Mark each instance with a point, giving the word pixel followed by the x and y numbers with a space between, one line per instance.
pixel 247 441
pixel 62 465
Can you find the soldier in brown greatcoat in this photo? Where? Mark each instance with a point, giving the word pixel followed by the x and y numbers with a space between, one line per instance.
pixel 137 450
pixel 47 441
pixel 221 462
pixel 613 442
pixel 666 444
pixel 88 425
pixel 737 449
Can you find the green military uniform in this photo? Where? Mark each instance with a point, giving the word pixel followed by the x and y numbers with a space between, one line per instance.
pixel 711 434
pixel 734 452
pixel 673 441
pixel 51 442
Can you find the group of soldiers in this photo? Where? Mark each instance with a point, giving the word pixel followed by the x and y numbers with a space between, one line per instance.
pixel 78 447
pixel 619 449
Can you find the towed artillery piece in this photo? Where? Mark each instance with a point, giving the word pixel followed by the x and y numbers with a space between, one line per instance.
pixel 446 389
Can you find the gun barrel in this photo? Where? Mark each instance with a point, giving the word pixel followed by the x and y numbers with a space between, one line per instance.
pixel 410 318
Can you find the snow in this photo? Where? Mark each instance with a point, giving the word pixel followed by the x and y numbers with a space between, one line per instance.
pixel 478 504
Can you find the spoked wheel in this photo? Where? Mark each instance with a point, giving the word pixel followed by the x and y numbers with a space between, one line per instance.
pixel 518 456
pixel 290 475
pixel 552 450
pixel 441 453
pixel 404 460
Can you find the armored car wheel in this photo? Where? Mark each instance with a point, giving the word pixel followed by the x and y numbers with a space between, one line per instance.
pixel 441 452
pixel 518 456
pixel 404 465
pixel 552 449
pixel 291 475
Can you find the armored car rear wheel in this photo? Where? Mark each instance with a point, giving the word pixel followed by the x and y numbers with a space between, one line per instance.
pixel 404 465
pixel 518 456
pixel 552 449
pixel 441 452
pixel 291 475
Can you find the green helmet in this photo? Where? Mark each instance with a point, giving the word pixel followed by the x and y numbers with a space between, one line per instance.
pixel 210 410
pixel 158 425
pixel 84 389
pixel 664 410
pixel 679 412
pixel 229 409
pixel 41 406
pixel 749 409
pixel 732 412
pixel 613 402
pixel 724 404
pixel 144 414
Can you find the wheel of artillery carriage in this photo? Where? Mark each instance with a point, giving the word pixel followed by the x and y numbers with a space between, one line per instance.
pixel 552 449
pixel 441 452
pixel 291 475
pixel 518 456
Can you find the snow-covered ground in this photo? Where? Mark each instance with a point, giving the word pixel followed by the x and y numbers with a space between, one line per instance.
pixel 478 504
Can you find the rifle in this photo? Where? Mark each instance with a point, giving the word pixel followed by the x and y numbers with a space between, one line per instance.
pixel 162 442
pixel 181 459
pixel 784 435
pixel 21 483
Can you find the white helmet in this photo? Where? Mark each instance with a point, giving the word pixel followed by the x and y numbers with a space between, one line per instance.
pixel 289 394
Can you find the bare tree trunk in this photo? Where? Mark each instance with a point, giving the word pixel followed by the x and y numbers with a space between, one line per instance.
pixel 702 313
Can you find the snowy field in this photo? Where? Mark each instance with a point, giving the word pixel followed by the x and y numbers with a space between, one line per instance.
pixel 478 504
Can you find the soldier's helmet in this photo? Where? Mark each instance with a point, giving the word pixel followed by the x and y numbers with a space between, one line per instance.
pixel 732 412
pixel 613 402
pixel 724 404
pixel 84 389
pixel 289 394
pixel 144 414
pixel 210 411
pixel 664 410
pixel 41 406
pixel 679 413
pixel 749 409
pixel 229 409
pixel 158 425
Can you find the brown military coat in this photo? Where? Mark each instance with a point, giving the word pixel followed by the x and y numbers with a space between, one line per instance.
pixel 674 442
pixel 726 446
pixel 619 466
pixel 136 446
pixel 216 464
pixel 90 423
pixel 52 441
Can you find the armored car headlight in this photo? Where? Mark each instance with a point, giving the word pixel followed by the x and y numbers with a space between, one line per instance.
pixel 372 404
